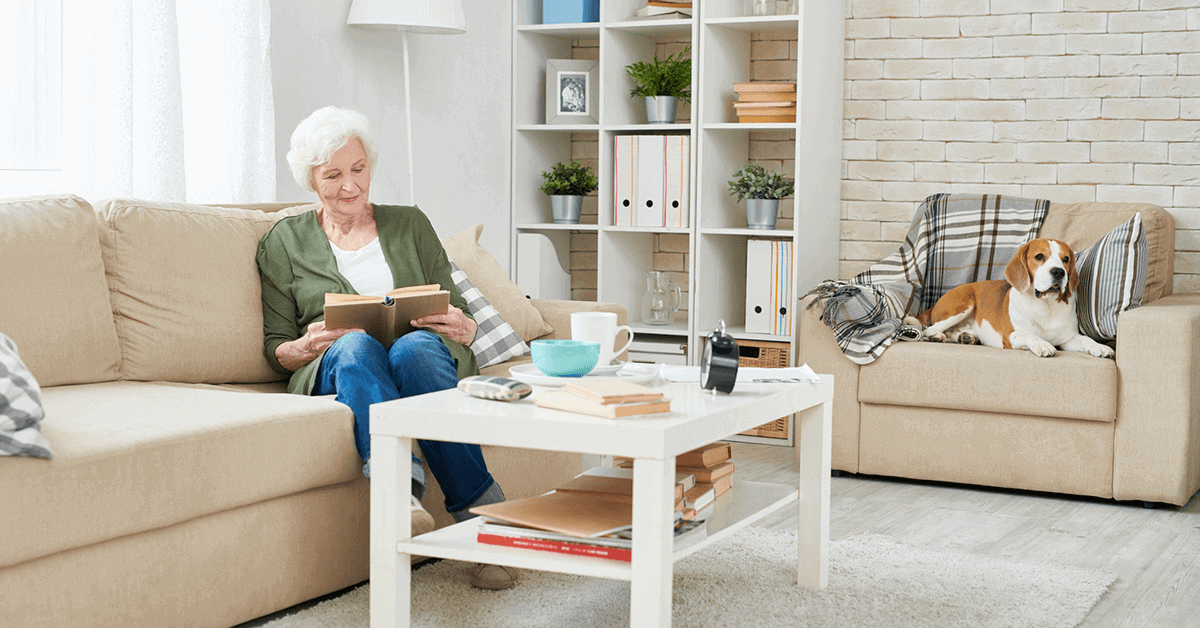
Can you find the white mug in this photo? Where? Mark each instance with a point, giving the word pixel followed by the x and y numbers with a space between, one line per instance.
pixel 600 327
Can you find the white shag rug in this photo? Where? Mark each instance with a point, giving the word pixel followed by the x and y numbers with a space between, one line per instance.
pixel 749 580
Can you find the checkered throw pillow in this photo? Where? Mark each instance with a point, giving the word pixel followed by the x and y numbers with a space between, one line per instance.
pixel 496 340
pixel 20 406
pixel 1112 279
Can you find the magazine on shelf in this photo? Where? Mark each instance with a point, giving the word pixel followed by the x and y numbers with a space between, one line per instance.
pixel 613 547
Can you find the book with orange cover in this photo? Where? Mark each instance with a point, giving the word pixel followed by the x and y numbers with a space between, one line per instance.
pixel 707 474
pixel 767 97
pixel 763 86
pixel 570 402
pixel 608 392
pixel 707 456
pixel 756 119
pixel 768 111
pixel 718 486
pixel 386 317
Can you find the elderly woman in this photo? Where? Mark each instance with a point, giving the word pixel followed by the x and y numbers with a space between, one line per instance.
pixel 352 246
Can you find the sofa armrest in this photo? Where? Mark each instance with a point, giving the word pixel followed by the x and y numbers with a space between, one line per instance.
pixel 1157 442
pixel 557 314
pixel 817 348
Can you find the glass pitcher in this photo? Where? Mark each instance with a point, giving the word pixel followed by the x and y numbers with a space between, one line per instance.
pixel 663 298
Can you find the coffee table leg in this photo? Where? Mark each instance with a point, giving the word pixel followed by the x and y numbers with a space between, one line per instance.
pixel 391 523
pixel 653 542
pixel 814 448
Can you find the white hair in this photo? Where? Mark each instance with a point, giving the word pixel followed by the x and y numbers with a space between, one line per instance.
pixel 322 134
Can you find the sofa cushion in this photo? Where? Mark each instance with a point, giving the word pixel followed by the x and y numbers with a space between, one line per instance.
pixel 464 250
pixel 55 301
pixel 495 340
pixel 1081 225
pixel 135 456
pixel 185 290
pixel 1069 385
pixel 1112 279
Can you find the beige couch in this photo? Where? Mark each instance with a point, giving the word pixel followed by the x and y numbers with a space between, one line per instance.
pixel 1126 429
pixel 186 489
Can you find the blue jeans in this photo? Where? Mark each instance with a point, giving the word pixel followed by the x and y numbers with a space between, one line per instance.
pixel 361 372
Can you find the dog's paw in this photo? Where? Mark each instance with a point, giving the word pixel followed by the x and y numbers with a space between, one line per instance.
pixel 911 320
pixel 967 338
pixel 1042 349
pixel 1101 351
pixel 936 337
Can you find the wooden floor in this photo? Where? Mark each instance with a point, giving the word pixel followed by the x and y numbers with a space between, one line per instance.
pixel 1154 552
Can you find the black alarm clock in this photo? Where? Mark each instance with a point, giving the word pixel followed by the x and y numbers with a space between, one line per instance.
pixel 719 362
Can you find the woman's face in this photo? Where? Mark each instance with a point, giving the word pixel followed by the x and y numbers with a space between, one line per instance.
pixel 344 183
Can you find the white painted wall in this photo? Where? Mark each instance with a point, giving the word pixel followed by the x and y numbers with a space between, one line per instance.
pixel 461 107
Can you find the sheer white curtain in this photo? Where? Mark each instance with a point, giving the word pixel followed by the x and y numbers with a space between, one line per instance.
pixel 164 100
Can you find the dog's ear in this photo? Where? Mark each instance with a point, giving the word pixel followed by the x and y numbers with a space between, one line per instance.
pixel 1017 272
pixel 1072 274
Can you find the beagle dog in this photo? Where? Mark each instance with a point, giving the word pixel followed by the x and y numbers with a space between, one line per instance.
pixel 1030 309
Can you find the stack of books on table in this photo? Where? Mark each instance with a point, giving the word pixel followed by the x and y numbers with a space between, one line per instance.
pixel 611 399
pixel 589 515
pixel 665 9
pixel 765 102
pixel 712 466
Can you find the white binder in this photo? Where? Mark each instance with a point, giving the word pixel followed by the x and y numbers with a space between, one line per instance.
pixel 782 269
pixel 678 148
pixel 759 319
pixel 651 157
pixel 625 153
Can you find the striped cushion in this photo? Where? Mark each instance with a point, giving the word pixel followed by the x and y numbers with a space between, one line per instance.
pixel 496 340
pixel 20 406
pixel 1112 279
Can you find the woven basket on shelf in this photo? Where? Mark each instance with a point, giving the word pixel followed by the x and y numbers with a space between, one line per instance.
pixel 764 354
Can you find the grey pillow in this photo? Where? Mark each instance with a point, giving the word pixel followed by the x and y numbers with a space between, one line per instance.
pixel 1112 279
pixel 20 406
pixel 496 340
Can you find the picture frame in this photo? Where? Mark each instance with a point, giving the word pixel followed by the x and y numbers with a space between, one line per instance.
pixel 572 91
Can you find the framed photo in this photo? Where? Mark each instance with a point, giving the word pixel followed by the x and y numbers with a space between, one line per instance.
pixel 572 91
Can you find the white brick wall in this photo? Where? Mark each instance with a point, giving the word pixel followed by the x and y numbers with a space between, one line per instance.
pixel 1071 100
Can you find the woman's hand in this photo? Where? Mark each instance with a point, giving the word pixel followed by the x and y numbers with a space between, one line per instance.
pixel 295 354
pixel 453 324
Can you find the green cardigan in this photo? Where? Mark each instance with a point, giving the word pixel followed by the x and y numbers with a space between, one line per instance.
pixel 297 267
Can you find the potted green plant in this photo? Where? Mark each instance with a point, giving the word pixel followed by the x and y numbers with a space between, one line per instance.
pixel 761 189
pixel 662 84
pixel 566 185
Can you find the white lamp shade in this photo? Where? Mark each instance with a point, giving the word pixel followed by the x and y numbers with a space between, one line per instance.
pixel 443 17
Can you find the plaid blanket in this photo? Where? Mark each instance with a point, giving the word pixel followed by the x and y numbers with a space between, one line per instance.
pixel 954 239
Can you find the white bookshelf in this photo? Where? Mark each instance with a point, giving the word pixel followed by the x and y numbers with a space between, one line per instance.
pixel 720 37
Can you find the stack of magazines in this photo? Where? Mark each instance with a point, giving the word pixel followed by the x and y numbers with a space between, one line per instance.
pixel 590 515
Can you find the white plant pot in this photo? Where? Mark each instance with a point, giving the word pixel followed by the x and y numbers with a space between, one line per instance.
pixel 566 209
pixel 761 212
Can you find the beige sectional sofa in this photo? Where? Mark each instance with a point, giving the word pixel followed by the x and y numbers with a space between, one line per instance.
pixel 186 488
pixel 1126 429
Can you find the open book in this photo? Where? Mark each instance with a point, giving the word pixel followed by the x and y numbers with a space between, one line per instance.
pixel 385 318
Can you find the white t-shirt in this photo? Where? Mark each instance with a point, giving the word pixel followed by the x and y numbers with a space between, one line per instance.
pixel 366 269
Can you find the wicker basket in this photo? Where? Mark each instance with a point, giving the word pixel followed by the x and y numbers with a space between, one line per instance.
pixel 762 354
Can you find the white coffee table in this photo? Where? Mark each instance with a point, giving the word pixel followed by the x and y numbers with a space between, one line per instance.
pixel 697 418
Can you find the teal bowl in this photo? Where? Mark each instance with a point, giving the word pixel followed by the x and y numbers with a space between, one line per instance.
pixel 564 358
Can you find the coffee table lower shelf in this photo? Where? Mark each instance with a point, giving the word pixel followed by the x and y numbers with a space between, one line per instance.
pixel 744 504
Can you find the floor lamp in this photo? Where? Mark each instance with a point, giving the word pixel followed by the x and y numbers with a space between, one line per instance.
pixel 441 17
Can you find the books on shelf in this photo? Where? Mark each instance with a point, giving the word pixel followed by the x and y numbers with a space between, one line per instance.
pixel 386 317
pixel 576 514
pixel 765 102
